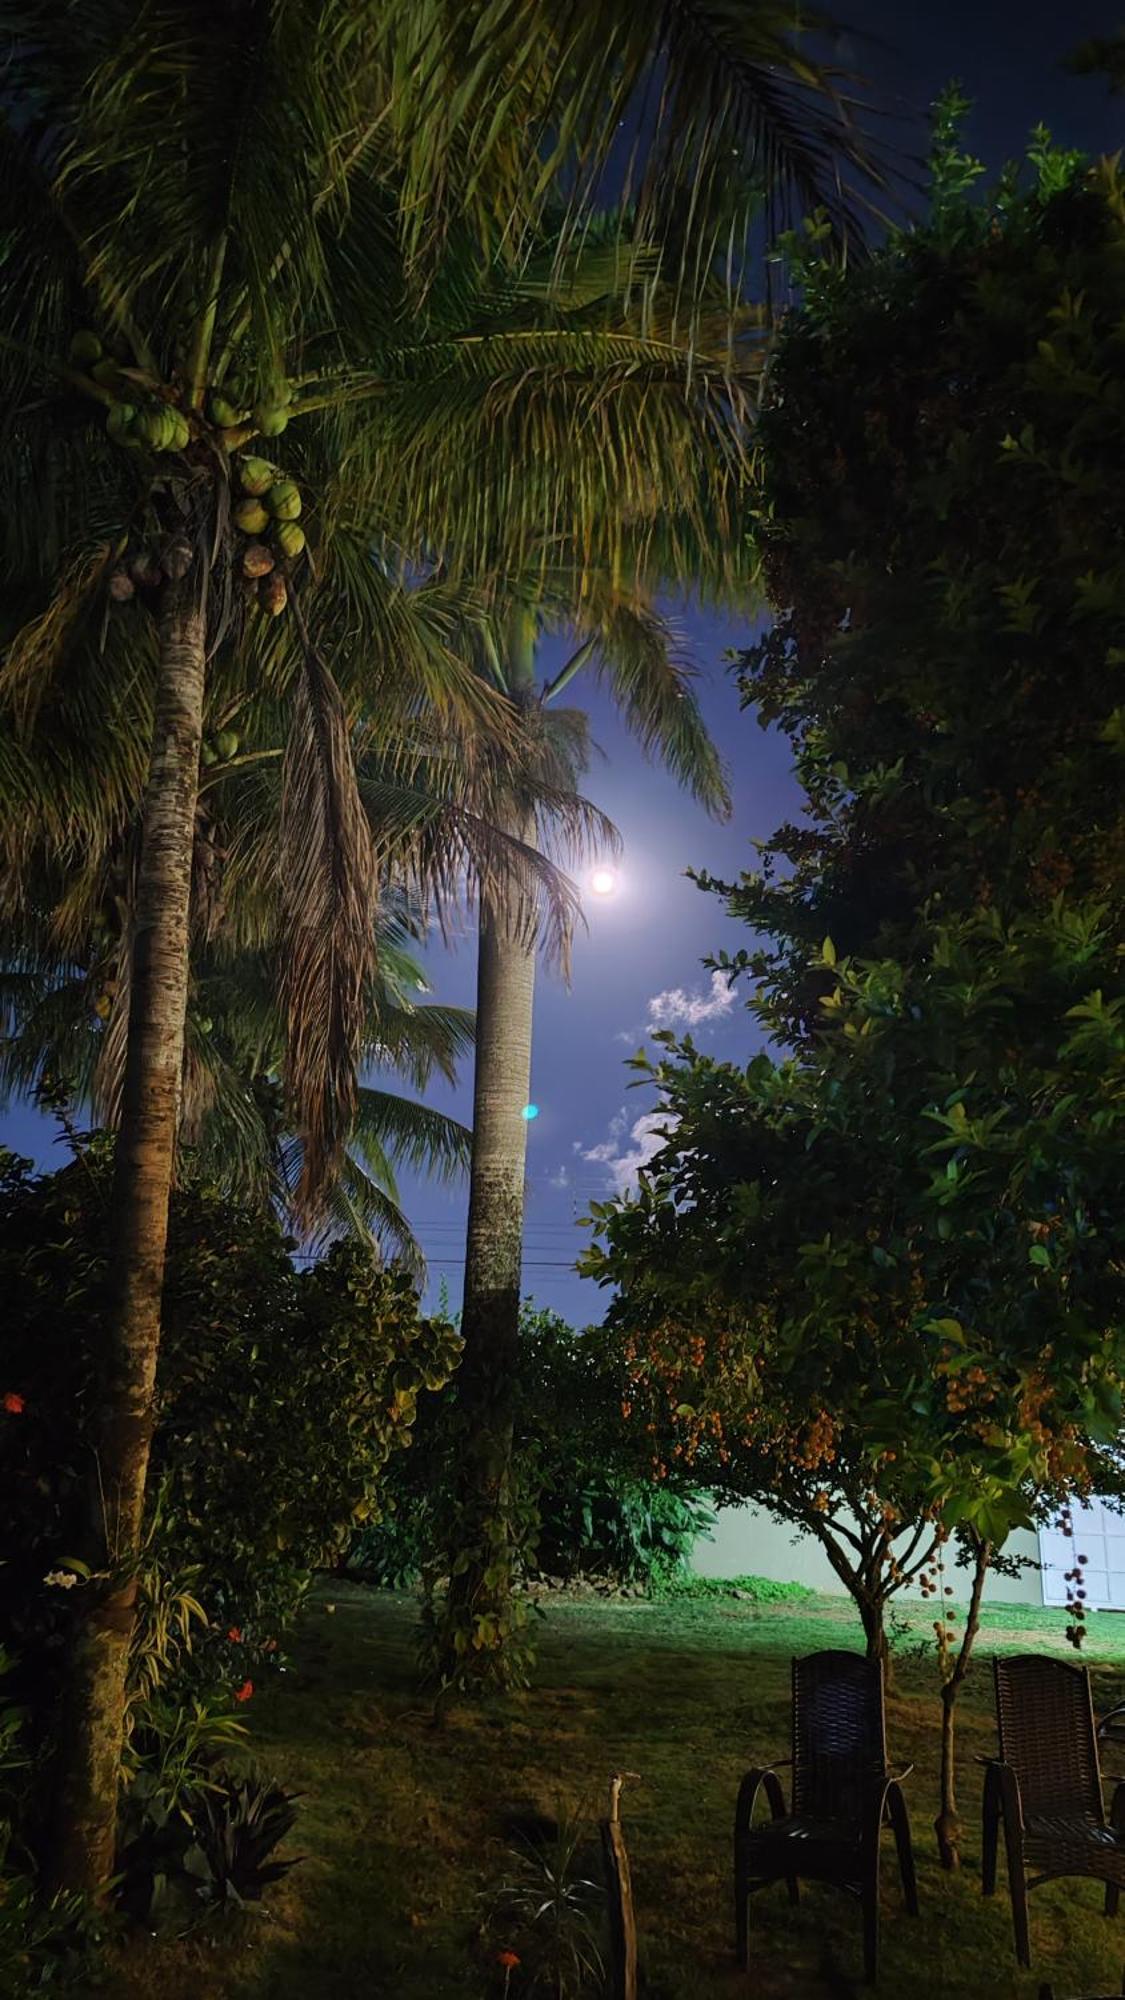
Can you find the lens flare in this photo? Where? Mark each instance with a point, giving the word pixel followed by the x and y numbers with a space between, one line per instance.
pixel 603 881
pixel 530 1111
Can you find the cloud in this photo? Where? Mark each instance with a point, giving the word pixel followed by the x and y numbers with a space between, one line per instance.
pixel 623 1158
pixel 560 1178
pixel 676 1008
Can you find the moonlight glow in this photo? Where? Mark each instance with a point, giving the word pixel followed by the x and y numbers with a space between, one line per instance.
pixel 603 881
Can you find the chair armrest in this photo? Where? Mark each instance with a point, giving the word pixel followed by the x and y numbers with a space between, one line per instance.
pixel 1114 1718
pixel 760 1778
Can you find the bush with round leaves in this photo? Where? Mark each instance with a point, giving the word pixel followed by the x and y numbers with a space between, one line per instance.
pixel 591 1508
pixel 281 1395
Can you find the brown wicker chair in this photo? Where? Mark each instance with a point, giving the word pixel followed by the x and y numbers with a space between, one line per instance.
pixel 1046 1788
pixel 843 1793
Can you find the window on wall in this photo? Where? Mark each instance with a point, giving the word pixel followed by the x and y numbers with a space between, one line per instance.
pixel 1099 1535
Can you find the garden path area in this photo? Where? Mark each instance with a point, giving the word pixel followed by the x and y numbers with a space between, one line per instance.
pixel 403 1822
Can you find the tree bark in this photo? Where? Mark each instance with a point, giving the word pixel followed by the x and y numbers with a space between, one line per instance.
pixel 871 1612
pixel 947 1825
pixel 493 1266
pixel 94 1710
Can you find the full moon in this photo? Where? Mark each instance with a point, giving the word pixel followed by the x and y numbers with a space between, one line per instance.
pixel 603 881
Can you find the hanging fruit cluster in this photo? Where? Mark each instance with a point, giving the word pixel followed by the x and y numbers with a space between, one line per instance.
pixel 139 421
pixel 145 567
pixel 143 417
pixel 228 411
pixel 221 748
pixel 270 507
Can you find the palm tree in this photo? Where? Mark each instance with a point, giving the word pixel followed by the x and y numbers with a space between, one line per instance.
pixel 697 112
pixel 212 220
pixel 58 1037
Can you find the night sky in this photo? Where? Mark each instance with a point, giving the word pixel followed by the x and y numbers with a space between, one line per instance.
pixel 639 963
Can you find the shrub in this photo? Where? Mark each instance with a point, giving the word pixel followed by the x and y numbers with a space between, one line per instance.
pixel 758 1589
pixel 280 1396
pixel 590 1504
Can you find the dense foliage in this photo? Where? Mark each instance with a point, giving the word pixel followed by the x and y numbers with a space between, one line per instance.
pixel 885 1272
pixel 281 1395
pixel 589 1505
pixel 940 539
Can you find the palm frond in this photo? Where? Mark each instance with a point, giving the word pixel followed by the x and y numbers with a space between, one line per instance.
pixel 710 110
pixel 328 888
pixel 388 1128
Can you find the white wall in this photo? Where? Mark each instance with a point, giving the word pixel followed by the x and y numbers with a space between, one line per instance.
pixel 746 1541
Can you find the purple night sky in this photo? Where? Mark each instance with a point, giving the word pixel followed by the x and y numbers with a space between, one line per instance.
pixel 639 963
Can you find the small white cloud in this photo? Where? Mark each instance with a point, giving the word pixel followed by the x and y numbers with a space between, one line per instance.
pixel 677 1008
pixel 623 1162
pixel 560 1178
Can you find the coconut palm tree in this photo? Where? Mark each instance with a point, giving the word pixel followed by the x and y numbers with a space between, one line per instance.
pixel 211 222
pixel 56 1039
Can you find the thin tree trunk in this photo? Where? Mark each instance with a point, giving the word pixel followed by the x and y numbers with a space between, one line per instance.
pixel 93 1720
pixel 494 1254
pixel 871 1612
pixel 947 1825
pixel 869 1601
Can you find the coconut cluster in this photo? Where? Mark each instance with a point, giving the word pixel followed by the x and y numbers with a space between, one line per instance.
pixel 147 565
pixel 229 411
pixel 269 516
pixel 221 748
pixel 268 512
pixel 138 421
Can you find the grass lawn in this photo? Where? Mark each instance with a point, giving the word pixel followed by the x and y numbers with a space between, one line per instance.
pixel 403 1820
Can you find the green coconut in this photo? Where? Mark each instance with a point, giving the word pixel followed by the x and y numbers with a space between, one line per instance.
pixel 208 753
pixel 119 420
pixel 284 500
pixel 106 373
pixel 85 349
pixel 158 427
pixel 290 539
pixel 227 742
pixel 271 419
pixel 255 475
pixel 181 431
pixel 251 517
pixel 226 414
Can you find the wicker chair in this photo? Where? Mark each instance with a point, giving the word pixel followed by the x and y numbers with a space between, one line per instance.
pixel 843 1793
pixel 1046 1788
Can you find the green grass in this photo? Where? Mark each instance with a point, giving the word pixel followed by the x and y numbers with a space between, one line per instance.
pixel 403 1819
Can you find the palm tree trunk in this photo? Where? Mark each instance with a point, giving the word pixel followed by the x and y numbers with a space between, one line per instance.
pixel 93 1720
pixel 490 1313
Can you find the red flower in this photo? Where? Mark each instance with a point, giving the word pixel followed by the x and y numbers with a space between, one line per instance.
pixel 235 1635
pixel 508 1959
pixel 244 1692
pixel 14 1404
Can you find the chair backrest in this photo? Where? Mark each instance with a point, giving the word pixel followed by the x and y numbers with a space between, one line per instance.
pixel 839 1735
pixel 1045 1718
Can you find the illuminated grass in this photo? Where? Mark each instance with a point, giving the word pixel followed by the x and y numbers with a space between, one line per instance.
pixel 403 1821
